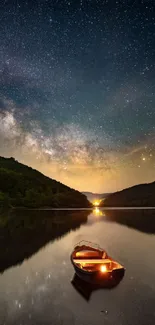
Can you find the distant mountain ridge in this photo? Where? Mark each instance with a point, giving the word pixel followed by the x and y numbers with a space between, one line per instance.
pixel 92 196
pixel 24 186
pixel 142 195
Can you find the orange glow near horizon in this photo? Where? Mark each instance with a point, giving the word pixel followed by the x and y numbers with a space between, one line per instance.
pixel 96 203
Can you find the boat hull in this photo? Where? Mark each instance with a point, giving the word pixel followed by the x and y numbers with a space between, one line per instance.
pixel 98 278
pixel 86 255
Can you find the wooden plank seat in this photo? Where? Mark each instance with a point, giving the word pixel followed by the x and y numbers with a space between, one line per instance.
pixel 92 261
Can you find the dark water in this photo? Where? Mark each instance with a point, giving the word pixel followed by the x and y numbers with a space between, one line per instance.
pixel 38 289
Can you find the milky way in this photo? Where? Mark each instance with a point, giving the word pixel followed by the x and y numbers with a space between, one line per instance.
pixel 77 90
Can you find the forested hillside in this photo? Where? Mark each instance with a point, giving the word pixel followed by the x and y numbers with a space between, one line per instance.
pixel 142 195
pixel 21 185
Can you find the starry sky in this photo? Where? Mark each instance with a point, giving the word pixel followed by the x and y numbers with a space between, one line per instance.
pixel 77 90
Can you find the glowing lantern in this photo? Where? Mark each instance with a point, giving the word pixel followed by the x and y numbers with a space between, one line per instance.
pixel 103 268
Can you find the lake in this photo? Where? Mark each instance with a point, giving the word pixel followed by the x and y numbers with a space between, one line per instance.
pixel 36 273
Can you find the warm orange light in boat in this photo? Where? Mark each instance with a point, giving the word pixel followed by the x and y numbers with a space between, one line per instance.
pixel 103 268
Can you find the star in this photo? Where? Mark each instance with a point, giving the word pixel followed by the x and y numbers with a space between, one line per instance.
pixel 77 91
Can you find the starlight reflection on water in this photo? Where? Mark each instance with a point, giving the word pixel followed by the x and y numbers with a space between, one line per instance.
pixel 39 290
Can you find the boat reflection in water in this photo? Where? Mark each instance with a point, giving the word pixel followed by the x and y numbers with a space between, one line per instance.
pixel 86 289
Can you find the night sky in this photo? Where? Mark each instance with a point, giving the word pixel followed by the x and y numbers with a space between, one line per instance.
pixel 77 90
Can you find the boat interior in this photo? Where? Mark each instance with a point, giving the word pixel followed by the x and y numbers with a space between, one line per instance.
pixel 94 260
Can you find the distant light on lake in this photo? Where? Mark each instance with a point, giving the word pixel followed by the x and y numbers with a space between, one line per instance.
pixel 96 203
pixel 97 212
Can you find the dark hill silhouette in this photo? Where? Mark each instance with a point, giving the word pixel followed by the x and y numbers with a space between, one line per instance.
pixel 142 195
pixel 21 185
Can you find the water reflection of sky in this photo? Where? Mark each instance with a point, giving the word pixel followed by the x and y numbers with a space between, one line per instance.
pixel 39 290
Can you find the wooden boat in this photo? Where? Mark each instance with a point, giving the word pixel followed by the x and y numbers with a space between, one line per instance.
pixel 92 263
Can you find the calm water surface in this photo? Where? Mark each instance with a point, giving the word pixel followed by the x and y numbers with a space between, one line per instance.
pixel 39 290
